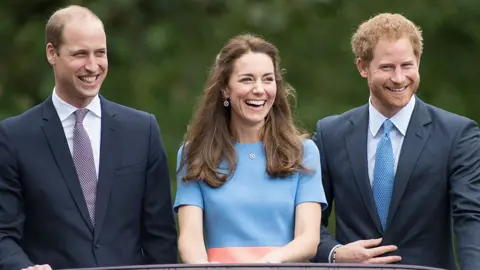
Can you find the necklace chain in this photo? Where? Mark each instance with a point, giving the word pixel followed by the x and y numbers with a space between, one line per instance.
pixel 251 154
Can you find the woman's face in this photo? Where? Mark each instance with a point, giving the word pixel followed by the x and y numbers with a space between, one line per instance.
pixel 251 89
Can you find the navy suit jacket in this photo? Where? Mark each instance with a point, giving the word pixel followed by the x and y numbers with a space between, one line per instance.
pixel 437 187
pixel 43 215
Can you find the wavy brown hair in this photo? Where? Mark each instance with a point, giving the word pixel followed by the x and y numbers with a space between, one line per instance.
pixel 209 140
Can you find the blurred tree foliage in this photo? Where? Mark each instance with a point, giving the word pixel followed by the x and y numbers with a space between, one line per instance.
pixel 160 52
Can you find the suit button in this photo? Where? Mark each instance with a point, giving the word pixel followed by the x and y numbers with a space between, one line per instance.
pixel 97 246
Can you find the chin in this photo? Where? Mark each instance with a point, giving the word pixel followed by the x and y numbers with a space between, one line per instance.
pixel 89 92
pixel 88 89
pixel 400 102
pixel 255 121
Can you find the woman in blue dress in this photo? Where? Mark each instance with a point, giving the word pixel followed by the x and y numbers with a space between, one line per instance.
pixel 249 182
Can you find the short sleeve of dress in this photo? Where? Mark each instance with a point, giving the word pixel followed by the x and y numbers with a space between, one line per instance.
pixel 188 193
pixel 310 187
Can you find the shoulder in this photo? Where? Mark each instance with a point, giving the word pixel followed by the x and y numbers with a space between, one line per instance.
pixel 444 117
pixel 24 124
pixel 130 119
pixel 181 151
pixel 339 119
pixel 310 149
pixel 334 126
pixel 125 112
pixel 309 145
pixel 451 127
pixel 24 119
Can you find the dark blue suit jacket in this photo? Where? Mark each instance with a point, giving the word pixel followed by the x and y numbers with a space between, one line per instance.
pixel 43 215
pixel 437 187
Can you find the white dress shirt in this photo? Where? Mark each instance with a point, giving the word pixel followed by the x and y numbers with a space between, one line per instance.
pixel 400 121
pixel 92 123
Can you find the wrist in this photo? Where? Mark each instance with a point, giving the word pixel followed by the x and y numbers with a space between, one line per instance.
pixel 272 259
pixel 334 254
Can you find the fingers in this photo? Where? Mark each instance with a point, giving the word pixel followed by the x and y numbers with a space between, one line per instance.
pixel 367 251
pixel 39 267
pixel 377 251
pixel 384 260
pixel 370 242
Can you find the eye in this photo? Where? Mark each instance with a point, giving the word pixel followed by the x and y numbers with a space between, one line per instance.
pixel 80 54
pixel 269 79
pixel 246 80
pixel 386 68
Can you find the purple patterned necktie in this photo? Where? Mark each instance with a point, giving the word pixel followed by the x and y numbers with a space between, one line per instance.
pixel 84 162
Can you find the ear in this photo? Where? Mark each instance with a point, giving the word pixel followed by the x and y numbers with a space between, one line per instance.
pixel 225 93
pixel 51 54
pixel 362 67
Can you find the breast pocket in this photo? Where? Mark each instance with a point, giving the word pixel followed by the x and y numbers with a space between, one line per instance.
pixel 429 176
pixel 131 169
pixel 129 185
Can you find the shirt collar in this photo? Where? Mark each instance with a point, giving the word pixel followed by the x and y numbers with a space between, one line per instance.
pixel 400 120
pixel 64 109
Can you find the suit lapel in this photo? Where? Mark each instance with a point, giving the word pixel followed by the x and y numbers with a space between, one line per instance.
pixel 417 134
pixel 53 130
pixel 108 161
pixel 356 141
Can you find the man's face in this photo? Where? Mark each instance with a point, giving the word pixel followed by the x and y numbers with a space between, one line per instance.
pixel 81 63
pixel 392 75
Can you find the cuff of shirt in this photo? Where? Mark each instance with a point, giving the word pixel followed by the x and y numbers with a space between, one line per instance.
pixel 331 252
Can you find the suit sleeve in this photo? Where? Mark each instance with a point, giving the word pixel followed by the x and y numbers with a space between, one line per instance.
pixel 159 234
pixel 327 241
pixel 464 180
pixel 12 214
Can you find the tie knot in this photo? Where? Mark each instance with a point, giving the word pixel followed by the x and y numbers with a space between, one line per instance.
pixel 80 114
pixel 387 126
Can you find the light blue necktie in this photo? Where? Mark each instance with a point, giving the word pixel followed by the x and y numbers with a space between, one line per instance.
pixel 384 174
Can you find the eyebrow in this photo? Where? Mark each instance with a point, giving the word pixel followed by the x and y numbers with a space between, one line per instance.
pixel 410 61
pixel 86 50
pixel 251 75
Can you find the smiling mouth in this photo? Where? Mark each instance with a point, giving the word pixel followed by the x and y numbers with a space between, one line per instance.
pixel 255 103
pixel 397 90
pixel 89 79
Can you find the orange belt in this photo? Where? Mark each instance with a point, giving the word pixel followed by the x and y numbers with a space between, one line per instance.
pixel 238 254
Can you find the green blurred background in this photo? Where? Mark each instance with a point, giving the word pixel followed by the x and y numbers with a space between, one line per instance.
pixel 160 52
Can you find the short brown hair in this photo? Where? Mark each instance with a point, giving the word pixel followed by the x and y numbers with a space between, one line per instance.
pixel 385 26
pixel 56 23
pixel 209 141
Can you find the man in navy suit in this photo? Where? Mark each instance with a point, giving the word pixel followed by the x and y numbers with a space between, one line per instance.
pixel 84 182
pixel 403 174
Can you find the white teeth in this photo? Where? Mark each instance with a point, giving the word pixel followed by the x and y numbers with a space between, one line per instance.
pixel 255 102
pixel 397 89
pixel 89 79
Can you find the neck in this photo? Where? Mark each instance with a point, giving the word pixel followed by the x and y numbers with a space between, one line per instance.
pixel 246 134
pixel 77 102
pixel 385 111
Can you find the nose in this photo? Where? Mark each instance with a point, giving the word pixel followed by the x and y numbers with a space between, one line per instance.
pixel 258 88
pixel 92 65
pixel 398 77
